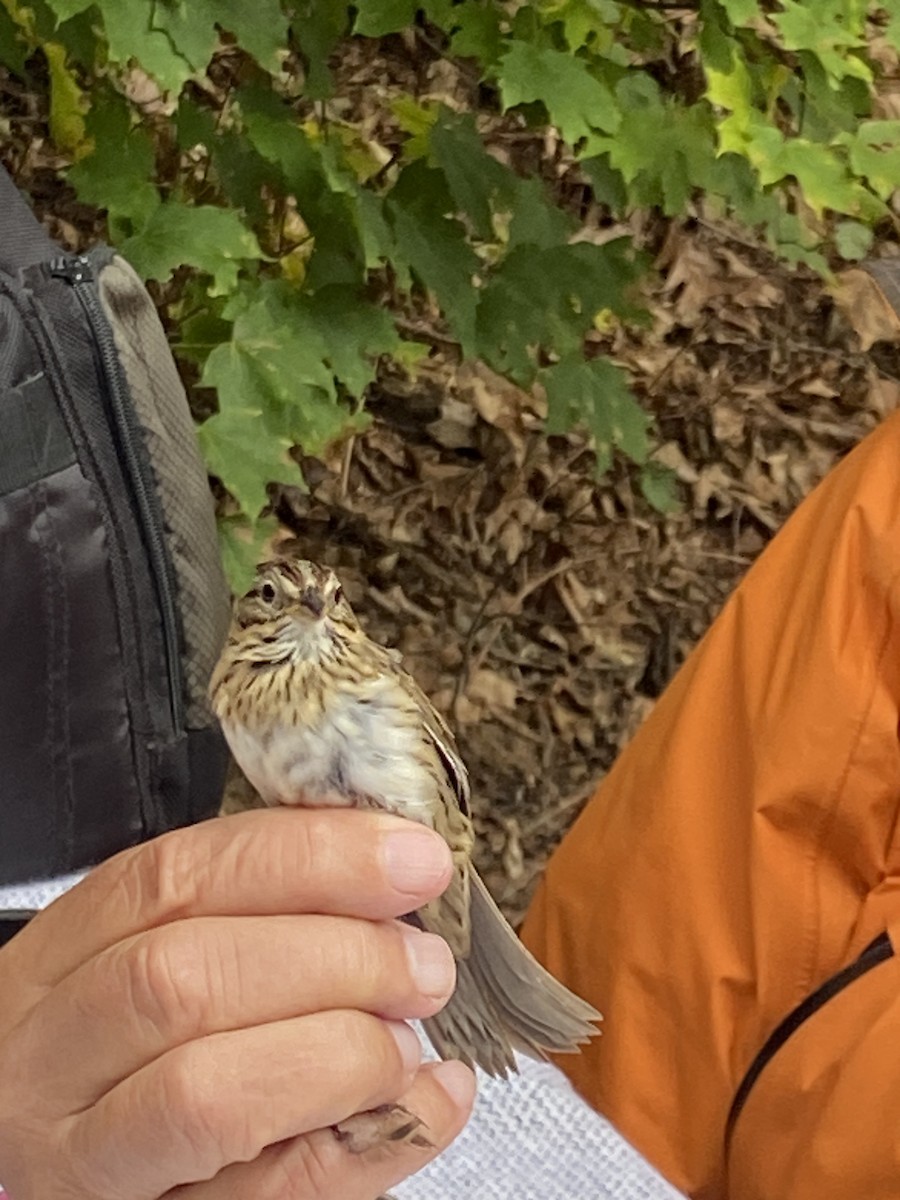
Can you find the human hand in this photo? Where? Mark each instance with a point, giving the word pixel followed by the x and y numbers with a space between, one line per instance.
pixel 189 1021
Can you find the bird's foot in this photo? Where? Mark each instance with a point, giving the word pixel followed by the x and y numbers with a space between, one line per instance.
pixel 378 1126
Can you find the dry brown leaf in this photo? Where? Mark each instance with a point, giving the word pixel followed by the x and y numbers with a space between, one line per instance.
pixel 455 427
pixel 500 403
pixel 512 856
pixel 729 423
pixel 866 307
pixel 818 387
pixel 511 539
pixel 670 455
pixel 884 395
pixel 491 689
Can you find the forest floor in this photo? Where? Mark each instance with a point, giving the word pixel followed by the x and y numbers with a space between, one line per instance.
pixel 544 610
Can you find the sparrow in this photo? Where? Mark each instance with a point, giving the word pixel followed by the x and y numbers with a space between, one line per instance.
pixel 317 713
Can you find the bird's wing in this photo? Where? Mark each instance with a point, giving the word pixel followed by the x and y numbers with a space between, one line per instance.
pixel 439 733
pixel 448 914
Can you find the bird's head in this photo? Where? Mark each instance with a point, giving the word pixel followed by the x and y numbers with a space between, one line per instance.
pixel 295 603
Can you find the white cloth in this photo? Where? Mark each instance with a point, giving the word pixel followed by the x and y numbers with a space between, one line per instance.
pixel 38 893
pixel 533 1138
pixel 530 1138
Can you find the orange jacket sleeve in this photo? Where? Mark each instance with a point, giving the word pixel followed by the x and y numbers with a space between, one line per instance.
pixel 744 847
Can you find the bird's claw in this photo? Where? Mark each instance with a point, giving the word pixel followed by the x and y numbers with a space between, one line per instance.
pixel 377 1126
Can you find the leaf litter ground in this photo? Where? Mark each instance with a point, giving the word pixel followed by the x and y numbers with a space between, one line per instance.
pixel 543 611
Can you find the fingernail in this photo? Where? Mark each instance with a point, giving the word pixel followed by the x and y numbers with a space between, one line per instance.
pixel 457 1080
pixel 417 860
pixel 431 963
pixel 407 1043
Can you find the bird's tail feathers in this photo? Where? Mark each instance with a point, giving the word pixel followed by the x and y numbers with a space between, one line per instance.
pixel 505 1000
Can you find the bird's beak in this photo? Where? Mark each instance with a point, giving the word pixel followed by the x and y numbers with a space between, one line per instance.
pixel 312 599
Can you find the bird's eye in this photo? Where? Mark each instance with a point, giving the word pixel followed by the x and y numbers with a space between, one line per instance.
pixel 338 595
pixel 267 591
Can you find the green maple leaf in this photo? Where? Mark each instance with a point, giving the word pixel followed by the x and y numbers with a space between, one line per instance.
pixel 272 129
pixel 546 300
pixel 244 460
pixel 132 34
pixel 240 169
pixel 288 352
pixel 118 174
pixel 375 18
pixel 829 29
pixel 13 48
pixel 741 12
pixel 64 9
pixel 577 102
pixel 474 178
pixel 476 31
pixel 276 360
pixel 874 152
pixel 189 28
pixel 590 23
pixel 260 28
pixel 596 396
pixel 824 105
pixel 418 121
pixel 354 333
pixel 176 39
pixel 213 240
pixel 318 27
pixel 346 220
pixel 824 179
pixel 649 122
pixel 242 542
pixel 535 220
pixel 433 245
pixel 68 103
pixel 852 240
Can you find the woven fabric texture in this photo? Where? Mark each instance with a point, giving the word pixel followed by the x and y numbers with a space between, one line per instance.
pixel 171 441
pixel 37 894
pixel 533 1138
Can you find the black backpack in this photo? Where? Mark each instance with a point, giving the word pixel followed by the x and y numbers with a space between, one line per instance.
pixel 113 604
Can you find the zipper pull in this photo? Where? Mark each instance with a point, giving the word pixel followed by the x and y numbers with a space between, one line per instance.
pixel 73 268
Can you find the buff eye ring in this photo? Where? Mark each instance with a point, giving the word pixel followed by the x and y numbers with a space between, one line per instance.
pixel 267 591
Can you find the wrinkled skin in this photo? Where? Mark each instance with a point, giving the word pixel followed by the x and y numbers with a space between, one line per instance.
pixel 190 1020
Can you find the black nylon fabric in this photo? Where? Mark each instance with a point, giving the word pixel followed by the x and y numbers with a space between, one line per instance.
pixel 93 753
pixel 69 794
pixel 36 442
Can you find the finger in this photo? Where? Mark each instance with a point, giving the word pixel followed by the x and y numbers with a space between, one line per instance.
pixel 318 1167
pixel 275 861
pixel 224 1098
pixel 193 978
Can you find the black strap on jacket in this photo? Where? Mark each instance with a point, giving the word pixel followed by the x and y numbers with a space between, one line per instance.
pixel 878 951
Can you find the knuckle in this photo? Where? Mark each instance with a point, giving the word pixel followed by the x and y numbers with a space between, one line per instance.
pixel 165 874
pixel 308 848
pixel 168 980
pixel 370 1059
pixel 363 952
pixel 77 1170
pixel 304 1167
pixel 201 1113
pixel 371 957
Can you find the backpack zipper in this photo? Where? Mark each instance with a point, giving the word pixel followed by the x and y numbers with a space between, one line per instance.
pixel 78 272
